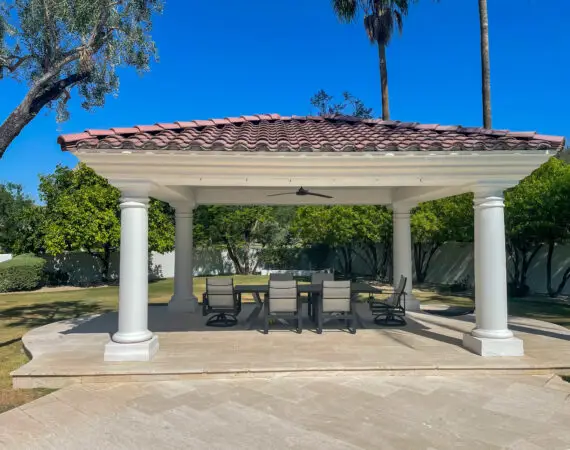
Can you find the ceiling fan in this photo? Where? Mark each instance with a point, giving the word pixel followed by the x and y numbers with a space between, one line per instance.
pixel 302 192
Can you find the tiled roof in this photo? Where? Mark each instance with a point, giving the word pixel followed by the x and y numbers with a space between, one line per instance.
pixel 271 132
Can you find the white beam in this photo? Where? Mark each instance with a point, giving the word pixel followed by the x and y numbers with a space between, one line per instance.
pixel 415 195
pixel 266 169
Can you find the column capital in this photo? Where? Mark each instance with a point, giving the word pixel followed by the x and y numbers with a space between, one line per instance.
pixel 489 201
pixel 134 202
pixel 132 189
pixel 402 208
pixel 487 190
pixel 183 209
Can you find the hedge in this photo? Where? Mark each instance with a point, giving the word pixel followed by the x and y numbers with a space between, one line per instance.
pixel 22 273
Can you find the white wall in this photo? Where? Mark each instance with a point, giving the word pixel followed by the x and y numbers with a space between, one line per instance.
pixel 453 262
pixel 5 257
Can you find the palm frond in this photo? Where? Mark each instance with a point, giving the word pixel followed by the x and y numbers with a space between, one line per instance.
pixel 379 26
pixel 399 20
pixel 345 10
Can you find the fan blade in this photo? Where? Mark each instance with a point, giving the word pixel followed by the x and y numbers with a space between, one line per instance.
pixel 319 195
pixel 282 193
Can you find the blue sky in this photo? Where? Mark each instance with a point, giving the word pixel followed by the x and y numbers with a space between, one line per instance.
pixel 232 58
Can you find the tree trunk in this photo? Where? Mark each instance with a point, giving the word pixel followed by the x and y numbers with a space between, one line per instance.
pixel 549 269
pixel 485 63
pixel 36 98
pixel 384 81
pixel 565 276
pixel 233 256
pixel 106 262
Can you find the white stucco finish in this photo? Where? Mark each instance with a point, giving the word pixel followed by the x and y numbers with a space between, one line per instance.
pixel 400 179
pixel 183 299
pixel 402 253
pixel 133 341
pixel 491 336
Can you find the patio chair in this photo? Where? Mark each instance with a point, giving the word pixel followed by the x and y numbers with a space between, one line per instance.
pixel 221 299
pixel 317 278
pixel 286 276
pixel 335 302
pixel 391 311
pixel 283 301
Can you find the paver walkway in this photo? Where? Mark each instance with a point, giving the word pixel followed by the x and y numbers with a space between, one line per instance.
pixel 72 351
pixel 342 412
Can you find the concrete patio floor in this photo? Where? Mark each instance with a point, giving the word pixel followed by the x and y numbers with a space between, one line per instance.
pixel 341 412
pixel 71 352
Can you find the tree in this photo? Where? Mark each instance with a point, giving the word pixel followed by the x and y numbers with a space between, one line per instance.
pixel 537 215
pixel 380 18
pixel 20 221
pixel 436 222
pixel 56 45
pixel 82 213
pixel 347 230
pixel 242 230
pixel 485 63
pixel 349 105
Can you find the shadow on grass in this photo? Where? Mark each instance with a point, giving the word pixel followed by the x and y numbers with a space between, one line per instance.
pixel 38 314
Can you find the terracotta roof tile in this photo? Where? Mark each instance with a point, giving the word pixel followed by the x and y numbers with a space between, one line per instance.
pixel 331 133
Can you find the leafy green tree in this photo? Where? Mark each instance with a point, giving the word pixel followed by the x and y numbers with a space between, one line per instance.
pixel 20 221
pixel 243 231
pixel 350 105
pixel 436 222
pixel 56 45
pixel 82 213
pixel 380 19
pixel 348 230
pixel 537 215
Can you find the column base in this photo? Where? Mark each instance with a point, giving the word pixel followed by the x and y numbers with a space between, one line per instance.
pixel 493 347
pixel 139 351
pixel 183 305
pixel 412 303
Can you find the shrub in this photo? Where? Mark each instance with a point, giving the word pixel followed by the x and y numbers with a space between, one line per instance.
pixel 22 273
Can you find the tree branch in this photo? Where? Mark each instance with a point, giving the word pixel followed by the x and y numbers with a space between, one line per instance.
pixel 13 66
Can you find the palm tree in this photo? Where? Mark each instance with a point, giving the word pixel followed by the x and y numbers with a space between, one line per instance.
pixel 380 19
pixel 485 63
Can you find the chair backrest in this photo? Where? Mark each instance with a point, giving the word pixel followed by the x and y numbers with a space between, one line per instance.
pixel 282 296
pixel 396 298
pixel 401 284
pixel 319 277
pixel 336 296
pixel 220 292
pixel 286 276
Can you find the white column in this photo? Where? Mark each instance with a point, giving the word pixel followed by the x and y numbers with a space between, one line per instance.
pixel 491 336
pixel 183 299
pixel 402 252
pixel 133 341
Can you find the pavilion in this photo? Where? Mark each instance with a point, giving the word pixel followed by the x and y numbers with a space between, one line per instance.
pixel 243 160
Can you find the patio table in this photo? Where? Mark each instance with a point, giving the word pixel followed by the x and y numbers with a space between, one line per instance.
pixel 257 289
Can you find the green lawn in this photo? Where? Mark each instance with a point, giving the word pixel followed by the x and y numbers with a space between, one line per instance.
pixel 23 311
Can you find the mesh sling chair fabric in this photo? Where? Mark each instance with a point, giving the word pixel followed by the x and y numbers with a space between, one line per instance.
pixel 335 302
pixel 283 301
pixel 317 278
pixel 392 310
pixel 221 300
pixel 287 276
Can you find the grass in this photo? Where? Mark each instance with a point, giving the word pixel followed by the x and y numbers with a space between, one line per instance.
pixel 21 312
pixel 24 311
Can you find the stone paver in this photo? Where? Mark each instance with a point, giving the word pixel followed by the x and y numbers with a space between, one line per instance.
pixel 335 412
pixel 72 352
